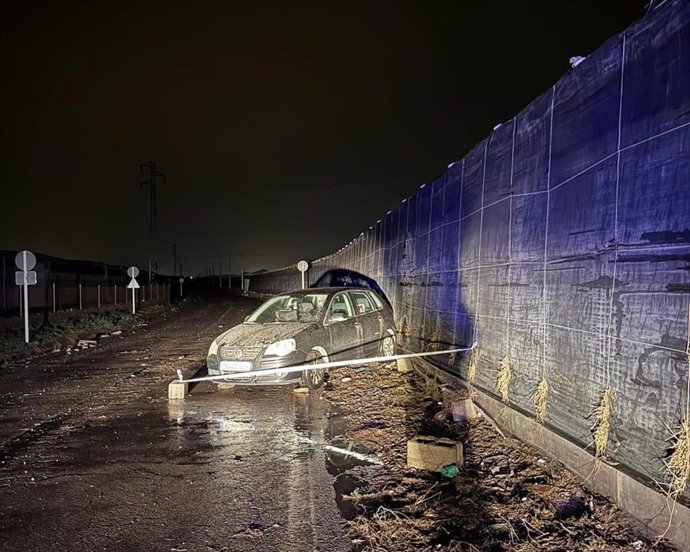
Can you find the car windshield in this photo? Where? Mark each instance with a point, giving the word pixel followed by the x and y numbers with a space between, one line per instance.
pixel 297 307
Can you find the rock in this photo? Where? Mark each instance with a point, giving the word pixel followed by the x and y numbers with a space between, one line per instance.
pixel 345 380
pixel 301 390
pixel 85 343
pixel 572 508
pixel 116 332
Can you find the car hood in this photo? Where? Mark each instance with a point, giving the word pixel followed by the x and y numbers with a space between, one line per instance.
pixel 250 335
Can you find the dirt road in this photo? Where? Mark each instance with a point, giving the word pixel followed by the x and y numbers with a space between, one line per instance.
pixel 94 457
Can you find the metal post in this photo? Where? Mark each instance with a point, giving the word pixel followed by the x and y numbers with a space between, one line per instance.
pixel 99 296
pixel 26 307
pixel 134 302
pixel 180 289
pixel 79 296
pixel 54 297
pixel 143 294
pixel 4 285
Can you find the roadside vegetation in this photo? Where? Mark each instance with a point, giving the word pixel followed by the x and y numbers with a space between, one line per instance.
pixel 65 329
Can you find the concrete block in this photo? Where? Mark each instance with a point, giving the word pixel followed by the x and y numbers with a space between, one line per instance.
pixel 403 365
pixel 178 390
pixel 432 454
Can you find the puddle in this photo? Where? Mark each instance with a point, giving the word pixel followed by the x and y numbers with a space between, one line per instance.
pixel 342 459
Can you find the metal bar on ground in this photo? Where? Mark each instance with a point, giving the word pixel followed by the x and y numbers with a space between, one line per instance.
pixel 319 366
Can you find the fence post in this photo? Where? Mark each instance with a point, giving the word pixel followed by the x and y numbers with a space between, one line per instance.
pixel 53 297
pixel 80 304
pixel 4 285
pixel 99 296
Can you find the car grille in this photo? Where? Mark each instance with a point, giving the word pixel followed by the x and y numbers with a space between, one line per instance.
pixel 248 352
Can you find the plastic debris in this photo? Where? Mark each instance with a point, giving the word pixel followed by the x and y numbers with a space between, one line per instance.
pixel 450 471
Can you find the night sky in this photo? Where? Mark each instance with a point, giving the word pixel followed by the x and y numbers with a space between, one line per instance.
pixel 284 129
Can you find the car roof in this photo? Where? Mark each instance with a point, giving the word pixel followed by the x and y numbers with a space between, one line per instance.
pixel 327 290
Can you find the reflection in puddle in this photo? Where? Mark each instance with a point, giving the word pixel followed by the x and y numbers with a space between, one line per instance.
pixel 276 432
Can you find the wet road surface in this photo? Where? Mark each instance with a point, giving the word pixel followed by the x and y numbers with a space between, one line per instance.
pixel 94 457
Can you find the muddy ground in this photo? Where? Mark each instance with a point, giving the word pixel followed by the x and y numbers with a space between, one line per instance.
pixel 94 457
pixel 508 496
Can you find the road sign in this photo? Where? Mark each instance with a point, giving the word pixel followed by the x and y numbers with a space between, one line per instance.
pixel 25 260
pixel 22 278
pixel 134 286
pixel 181 280
pixel 303 266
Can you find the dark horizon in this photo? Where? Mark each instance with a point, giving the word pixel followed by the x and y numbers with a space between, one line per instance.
pixel 284 131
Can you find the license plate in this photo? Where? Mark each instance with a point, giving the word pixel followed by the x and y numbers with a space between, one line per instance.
pixel 235 366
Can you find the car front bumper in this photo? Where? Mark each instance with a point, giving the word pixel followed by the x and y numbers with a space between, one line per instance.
pixel 216 368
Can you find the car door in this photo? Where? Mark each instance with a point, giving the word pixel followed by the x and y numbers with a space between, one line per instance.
pixel 365 313
pixel 344 330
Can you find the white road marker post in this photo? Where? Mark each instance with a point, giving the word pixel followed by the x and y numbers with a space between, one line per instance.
pixel 25 276
pixel 133 272
pixel 303 266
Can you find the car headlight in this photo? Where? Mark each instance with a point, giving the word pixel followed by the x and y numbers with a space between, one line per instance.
pixel 281 348
pixel 213 349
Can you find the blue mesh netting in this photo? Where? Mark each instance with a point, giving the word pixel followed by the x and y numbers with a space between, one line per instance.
pixel 562 241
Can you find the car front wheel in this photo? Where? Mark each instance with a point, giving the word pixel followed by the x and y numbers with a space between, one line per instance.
pixel 314 377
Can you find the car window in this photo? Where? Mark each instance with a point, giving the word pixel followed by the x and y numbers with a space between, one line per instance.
pixel 377 301
pixel 297 307
pixel 340 309
pixel 362 302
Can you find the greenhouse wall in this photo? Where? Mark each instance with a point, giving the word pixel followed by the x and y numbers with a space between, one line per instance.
pixel 561 245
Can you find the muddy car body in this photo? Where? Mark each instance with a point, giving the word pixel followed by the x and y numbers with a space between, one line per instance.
pixel 307 326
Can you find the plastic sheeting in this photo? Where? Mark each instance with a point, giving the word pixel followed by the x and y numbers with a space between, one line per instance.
pixel 563 242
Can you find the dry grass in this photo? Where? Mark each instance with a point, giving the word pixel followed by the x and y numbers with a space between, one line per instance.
pixel 602 423
pixel 505 374
pixel 678 464
pixel 540 400
pixel 405 330
pixel 472 366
